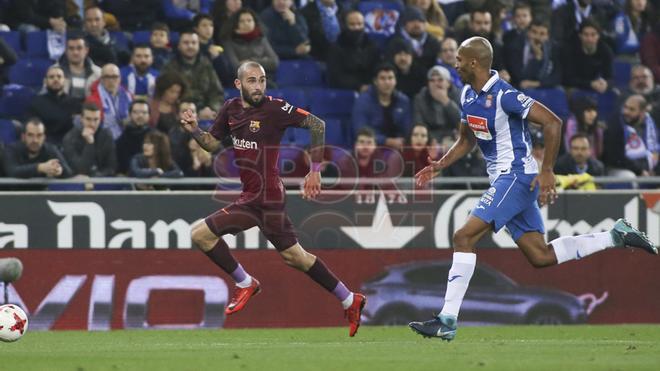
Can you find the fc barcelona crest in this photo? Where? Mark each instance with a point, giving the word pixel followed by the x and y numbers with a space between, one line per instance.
pixel 255 126
pixel 489 101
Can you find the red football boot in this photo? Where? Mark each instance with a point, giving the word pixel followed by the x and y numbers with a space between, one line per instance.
pixel 241 296
pixel 354 313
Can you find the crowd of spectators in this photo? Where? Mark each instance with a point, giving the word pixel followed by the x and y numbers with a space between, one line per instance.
pixel 109 103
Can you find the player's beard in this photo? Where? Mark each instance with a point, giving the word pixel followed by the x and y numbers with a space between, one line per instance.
pixel 248 98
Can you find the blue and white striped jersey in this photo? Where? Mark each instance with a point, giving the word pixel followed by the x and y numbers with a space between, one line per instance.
pixel 497 117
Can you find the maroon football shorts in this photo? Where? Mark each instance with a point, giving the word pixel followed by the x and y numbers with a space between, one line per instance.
pixel 272 220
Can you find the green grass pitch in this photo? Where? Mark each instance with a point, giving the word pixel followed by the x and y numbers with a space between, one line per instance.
pixel 560 348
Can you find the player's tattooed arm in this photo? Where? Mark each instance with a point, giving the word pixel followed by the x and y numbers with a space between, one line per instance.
pixel 206 140
pixel 316 128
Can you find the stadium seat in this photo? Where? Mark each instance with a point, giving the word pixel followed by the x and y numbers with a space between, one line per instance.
pixel 606 101
pixel 295 96
pixel 113 187
pixel 302 137
pixel 14 101
pixel 332 102
pixel 231 93
pixel 121 40
pixel 8 132
pixel 29 72
pixel 66 187
pixel 13 38
pixel 304 72
pixel 287 160
pixel 143 37
pixel 622 73
pixel 36 44
pixel 334 133
pixel 553 98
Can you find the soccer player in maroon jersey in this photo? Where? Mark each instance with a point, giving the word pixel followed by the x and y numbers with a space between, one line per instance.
pixel 256 123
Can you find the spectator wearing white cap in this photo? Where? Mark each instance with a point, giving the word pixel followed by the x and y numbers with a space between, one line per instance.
pixel 436 105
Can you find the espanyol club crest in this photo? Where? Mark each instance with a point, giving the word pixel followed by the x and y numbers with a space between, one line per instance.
pixel 489 101
pixel 255 126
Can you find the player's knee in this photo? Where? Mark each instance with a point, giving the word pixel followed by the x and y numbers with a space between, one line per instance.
pixel 296 258
pixel 461 239
pixel 201 236
pixel 542 260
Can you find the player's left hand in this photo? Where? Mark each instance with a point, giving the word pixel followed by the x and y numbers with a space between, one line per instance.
pixel 312 185
pixel 545 180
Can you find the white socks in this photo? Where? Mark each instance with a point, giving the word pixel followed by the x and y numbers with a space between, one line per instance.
pixel 245 283
pixel 577 247
pixel 460 274
pixel 346 303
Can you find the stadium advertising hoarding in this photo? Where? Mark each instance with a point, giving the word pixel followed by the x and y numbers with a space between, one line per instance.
pixel 367 220
pixel 101 262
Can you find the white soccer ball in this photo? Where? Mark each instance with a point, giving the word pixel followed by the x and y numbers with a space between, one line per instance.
pixel 13 322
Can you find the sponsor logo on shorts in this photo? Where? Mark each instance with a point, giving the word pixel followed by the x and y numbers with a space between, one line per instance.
pixel 243 144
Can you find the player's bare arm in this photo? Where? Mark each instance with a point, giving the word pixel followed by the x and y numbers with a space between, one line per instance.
pixel 316 126
pixel 205 139
pixel 551 124
pixel 465 143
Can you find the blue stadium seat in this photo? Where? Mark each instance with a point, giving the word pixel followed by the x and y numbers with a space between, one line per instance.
pixel 295 96
pixel 606 101
pixel 622 73
pixel 302 137
pixel 553 98
pixel 231 93
pixel 303 72
pixel 113 187
pixel 8 133
pixel 13 38
pixel 332 102
pixel 141 37
pixel 14 100
pixel 334 133
pixel 121 40
pixel 287 159
pixel 36 44
pixel 66 187
pixel 30 72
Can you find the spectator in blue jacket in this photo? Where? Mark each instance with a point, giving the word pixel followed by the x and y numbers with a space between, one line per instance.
pixel 287 30
pixel 630 25
pixel 179 13
pixel 384 109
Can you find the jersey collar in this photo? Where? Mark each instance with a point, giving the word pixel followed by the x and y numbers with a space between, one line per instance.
pixel 494 76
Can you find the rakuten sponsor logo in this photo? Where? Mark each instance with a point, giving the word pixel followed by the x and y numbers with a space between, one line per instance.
pixel 244 144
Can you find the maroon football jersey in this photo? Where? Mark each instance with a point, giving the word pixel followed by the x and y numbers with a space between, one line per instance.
pixel 256 133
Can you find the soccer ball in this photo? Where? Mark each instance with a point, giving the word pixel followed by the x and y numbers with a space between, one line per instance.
pixel 13 322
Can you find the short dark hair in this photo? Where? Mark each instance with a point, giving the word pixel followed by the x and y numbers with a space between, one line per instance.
pixel 141 46
pixel 540 23
pixel 138 101
pixel 31 120
pixel 75 35
pixel 590 22
pixel 478 10
pixel 160 26
pixel 578 136
pixel 89 106
pixel 521 5
pixel 366 132
pixel 199 18
pixel 387 67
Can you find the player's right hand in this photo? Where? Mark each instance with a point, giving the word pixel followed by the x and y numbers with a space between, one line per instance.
pixel 429 172
pixel 189 121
